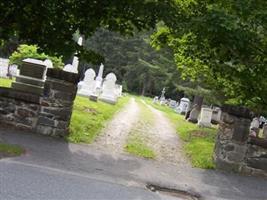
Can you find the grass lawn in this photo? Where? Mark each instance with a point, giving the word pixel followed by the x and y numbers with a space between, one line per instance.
pixel 199 142
pixel 89 117
pixel 7 150
pixel 5 82
pixel 137 141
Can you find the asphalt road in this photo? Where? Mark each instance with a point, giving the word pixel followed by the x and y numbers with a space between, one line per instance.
pixel 54 169
pixel 20 181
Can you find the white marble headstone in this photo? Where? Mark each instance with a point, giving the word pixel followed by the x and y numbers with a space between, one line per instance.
pixel 183 106
pixel 205 117
pixel 3 67
pixel 109 89
pixel 87 85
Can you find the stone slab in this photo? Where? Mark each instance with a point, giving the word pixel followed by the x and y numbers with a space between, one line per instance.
pixel 27 88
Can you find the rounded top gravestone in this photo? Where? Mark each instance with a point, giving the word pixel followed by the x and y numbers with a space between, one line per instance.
pixel 89 75
pixel 111 77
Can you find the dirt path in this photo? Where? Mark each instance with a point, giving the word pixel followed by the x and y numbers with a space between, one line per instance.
pixel 114 135
pixel 165 140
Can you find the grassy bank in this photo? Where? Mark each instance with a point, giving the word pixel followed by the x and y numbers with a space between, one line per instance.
pixel 199 142
pixel 137 140
pixel 89 117
pixel 5 82
pixel 7 150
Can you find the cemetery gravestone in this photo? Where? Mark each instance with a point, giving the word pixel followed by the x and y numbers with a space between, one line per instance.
pixel 119 90
pixel 183 106
pixel 32 77
pixel 156 99
pixel 4 67
pixel 205 117
pixel 87 86
pixel 108 94
pixel 172 104
pixel 216 115
pixel 255 127
pixel 193 116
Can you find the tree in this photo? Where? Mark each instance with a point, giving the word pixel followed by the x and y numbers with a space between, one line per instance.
pixel 51 24
pixel 224 44
pixel 137 65
pixel 31 51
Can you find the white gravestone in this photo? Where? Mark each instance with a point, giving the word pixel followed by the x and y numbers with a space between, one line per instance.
pixel 4 67
pixel 87 85
pixel 183 106
pixel 108 94
pixel 155 100
pixel 119 90
pixel 216 115
pixel 264 133
pixel 255 127
pixel 13 70
pixel 172 104
pixel 205 117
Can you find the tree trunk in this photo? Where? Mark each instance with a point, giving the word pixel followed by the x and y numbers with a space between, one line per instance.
pixel 198 100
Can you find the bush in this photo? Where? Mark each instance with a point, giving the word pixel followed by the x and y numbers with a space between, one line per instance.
pixel 31 51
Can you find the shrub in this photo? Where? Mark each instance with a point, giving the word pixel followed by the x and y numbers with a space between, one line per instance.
pixel 31 51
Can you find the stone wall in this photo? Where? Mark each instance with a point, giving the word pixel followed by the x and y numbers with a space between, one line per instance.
pixel 235 150
pixel 47 114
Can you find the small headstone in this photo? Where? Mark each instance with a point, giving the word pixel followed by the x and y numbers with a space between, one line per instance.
pixel 108 94
pixel 119 90
pixel 13 70
pixel 255 127
pixel 172 104
pixel 4 67
pixel 216 115
pixel 193 116
pixel 183 106
pixel 156 100
pixel 87 86
pixel 205 117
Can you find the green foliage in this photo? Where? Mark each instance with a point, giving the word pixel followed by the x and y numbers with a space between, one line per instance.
pixel 31 51
pixel 222 44
pixel 10 150
pixel 52 23
pixel 142 69
pixel 137 147
pixel 5 82
pixel 88 118
pixel 198 142
pixel 138 140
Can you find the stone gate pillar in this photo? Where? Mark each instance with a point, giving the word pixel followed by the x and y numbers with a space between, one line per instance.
pixel 231 143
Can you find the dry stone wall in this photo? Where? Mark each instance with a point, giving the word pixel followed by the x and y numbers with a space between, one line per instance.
pixel 49 113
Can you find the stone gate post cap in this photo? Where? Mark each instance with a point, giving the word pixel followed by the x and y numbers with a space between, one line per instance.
pixel 238 111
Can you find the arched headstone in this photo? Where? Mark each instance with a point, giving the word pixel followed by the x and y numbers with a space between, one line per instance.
pixel 109 93
pixel 87 86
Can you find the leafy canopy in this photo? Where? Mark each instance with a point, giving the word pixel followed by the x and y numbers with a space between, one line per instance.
pixel 222 43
